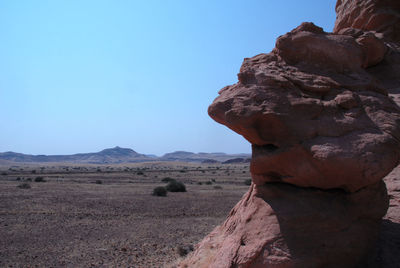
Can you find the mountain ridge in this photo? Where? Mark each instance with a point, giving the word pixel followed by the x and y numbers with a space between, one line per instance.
pixel 123 155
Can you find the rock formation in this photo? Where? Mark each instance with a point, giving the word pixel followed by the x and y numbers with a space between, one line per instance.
pixel 324 132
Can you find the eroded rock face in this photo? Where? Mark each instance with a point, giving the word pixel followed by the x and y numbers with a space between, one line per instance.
pixel 382 16
pixel 320 114
pixel 315 116
pixel 279 225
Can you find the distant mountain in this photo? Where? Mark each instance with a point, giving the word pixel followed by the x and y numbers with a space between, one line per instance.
pixel 202 157
pixel 112 156
pixel 122 155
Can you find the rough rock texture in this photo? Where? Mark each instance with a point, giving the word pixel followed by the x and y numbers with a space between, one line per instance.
pixel 320 112
pixel 382 16
pixel 315 116
pixel 284 226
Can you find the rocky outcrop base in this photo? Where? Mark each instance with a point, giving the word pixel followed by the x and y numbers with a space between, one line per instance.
pixel 280 225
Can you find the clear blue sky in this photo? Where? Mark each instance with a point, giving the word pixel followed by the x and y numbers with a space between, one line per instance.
pixel 84 75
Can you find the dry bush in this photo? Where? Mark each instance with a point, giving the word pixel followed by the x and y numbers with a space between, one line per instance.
pixel 160 191
pixel 175 186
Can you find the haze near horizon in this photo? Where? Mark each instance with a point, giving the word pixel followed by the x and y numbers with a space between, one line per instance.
pixel 82 76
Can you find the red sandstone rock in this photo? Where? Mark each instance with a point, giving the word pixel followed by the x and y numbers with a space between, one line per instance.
pixel 369 15
pixel 320 111
pixel 308 44
pixel 315 120
pixel 278 226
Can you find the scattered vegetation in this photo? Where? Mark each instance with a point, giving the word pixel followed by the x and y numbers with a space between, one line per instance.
pixel 247 182
pixel 167 179
pixel 24 186
pixel 160 191
pixel 175 186
pixel 39 179
pixel 184 250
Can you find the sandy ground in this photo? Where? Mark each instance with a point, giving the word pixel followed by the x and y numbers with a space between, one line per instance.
pixel 72 221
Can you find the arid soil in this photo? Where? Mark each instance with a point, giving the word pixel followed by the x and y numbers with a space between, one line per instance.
pixel 105 216
pixel 71 221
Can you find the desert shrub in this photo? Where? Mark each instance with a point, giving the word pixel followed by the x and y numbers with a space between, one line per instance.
pixel 167 179
pixel 175 186
pixel 99 182
pixel 247 182
pixel 33 171
pixel 213 180
pixel 208 182
pixel 182 171
pixel 18 178
pixel 218 187
pixel 160 191
pixel 24 186
pixel 29 179
pixel 184 250
pixel 4 173
pixel 39 179
pixel 199 183
pixel 139 173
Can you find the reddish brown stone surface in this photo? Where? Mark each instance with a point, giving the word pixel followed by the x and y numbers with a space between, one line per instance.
pixel 320 112
pixel 286 226
pixel 315 116
pixel 382 16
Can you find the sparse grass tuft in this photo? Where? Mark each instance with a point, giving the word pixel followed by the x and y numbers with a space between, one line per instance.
pixel 24 186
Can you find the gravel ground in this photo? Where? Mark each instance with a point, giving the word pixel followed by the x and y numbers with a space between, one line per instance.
pixel 70 221
pixel 73 222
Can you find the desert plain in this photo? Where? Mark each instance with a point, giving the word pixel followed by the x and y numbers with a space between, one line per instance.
pixel 83 215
